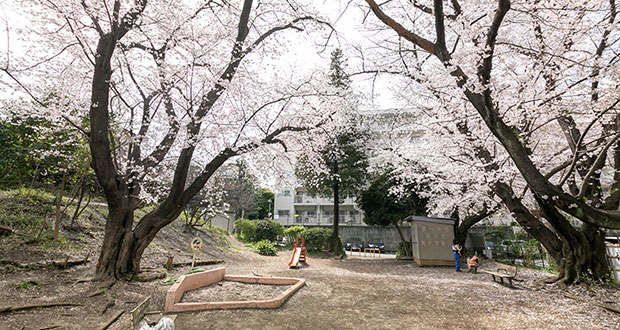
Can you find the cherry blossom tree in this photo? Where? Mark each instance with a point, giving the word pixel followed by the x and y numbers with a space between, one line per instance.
pixel 533 94
pixel 172 87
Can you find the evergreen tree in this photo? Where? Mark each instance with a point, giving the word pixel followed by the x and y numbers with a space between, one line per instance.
pixel 384 207
pixel 337 168
pixel 263 199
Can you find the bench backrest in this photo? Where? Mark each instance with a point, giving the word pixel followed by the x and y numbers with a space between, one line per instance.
pixel 508 269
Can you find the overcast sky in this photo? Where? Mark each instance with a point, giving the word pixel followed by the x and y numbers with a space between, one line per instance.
pixel 346 14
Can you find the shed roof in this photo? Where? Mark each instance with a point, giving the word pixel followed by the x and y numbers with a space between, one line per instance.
pixel 446 221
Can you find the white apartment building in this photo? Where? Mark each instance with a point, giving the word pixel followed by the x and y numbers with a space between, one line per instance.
pixel 296 207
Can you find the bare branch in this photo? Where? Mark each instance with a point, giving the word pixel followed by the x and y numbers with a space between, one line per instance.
pixel 597 165
pixel 576 154
pixel 599 50
pixel 429 10
pixel 93 19
pixel 269 139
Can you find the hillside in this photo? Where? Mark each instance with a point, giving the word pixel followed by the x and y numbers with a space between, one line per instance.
pixel 31 261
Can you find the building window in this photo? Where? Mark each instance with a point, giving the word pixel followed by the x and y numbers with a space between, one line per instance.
pixel 299 198
pixel 299 218
pixel 285 193
pixel 283 213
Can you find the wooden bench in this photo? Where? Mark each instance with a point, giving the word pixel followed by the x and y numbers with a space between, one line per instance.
pixel 503 271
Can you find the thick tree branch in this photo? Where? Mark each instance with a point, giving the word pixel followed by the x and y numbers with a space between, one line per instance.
pixel 93 19
pixel 440 29
pixel 474 219
pixel 412 37
pixel 484 70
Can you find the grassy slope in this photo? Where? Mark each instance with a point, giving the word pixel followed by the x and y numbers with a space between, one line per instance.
pixel 24 212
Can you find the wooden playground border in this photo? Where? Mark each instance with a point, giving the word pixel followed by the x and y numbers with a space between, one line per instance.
pixel 198 280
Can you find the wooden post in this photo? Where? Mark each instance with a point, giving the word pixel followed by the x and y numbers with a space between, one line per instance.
pixel 169 263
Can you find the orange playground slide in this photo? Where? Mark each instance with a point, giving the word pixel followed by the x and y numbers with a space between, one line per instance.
pixel 295 259
pixel 299 253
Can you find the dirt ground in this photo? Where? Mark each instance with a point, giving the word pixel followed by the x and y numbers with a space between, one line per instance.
pixel 392 294
pixel 352 293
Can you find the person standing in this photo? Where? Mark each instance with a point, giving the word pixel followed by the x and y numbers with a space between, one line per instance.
pixel 456 252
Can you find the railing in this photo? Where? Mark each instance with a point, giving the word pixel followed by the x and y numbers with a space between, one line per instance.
pixel 319 201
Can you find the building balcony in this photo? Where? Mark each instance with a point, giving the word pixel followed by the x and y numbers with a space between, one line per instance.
pixel 319 201
pixel 323 220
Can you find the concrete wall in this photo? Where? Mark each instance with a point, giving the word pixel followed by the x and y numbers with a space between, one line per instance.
pixel 388 235
pixel 225 222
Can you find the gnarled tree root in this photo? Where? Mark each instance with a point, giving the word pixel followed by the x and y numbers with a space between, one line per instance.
pixel 595 303
pixel 31 306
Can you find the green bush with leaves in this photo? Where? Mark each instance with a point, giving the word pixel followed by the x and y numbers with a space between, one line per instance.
pixel 294 231
pixel 531 251
pixel 404 249
pixel 316 238
pixel 268 230
pixel 246 229
pixel 265 248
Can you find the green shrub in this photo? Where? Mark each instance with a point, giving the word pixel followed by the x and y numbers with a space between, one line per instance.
pixel 246 229
pixel 531 251
pixel 26 285
pixel 404 249
pixel 268 230
pixel 316 238
pixel 292 232
pixel 24 209
pixel 265 248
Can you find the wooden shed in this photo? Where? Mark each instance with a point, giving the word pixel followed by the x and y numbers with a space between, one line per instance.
pixel 431 240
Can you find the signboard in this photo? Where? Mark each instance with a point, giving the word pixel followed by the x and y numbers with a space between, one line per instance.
pixel 196 243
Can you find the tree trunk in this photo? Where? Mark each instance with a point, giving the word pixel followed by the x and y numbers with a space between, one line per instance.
pixel 117 227
pixel 582 252
pixel 34 176
pixel 79 203
pixel 583 258
pixel 461 228
pixel 336 225
pixel 408 248
pixel 58 206
pixel 78 207
pixel 335 245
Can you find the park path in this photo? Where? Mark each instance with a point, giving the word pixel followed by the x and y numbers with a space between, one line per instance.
pixel 393 294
